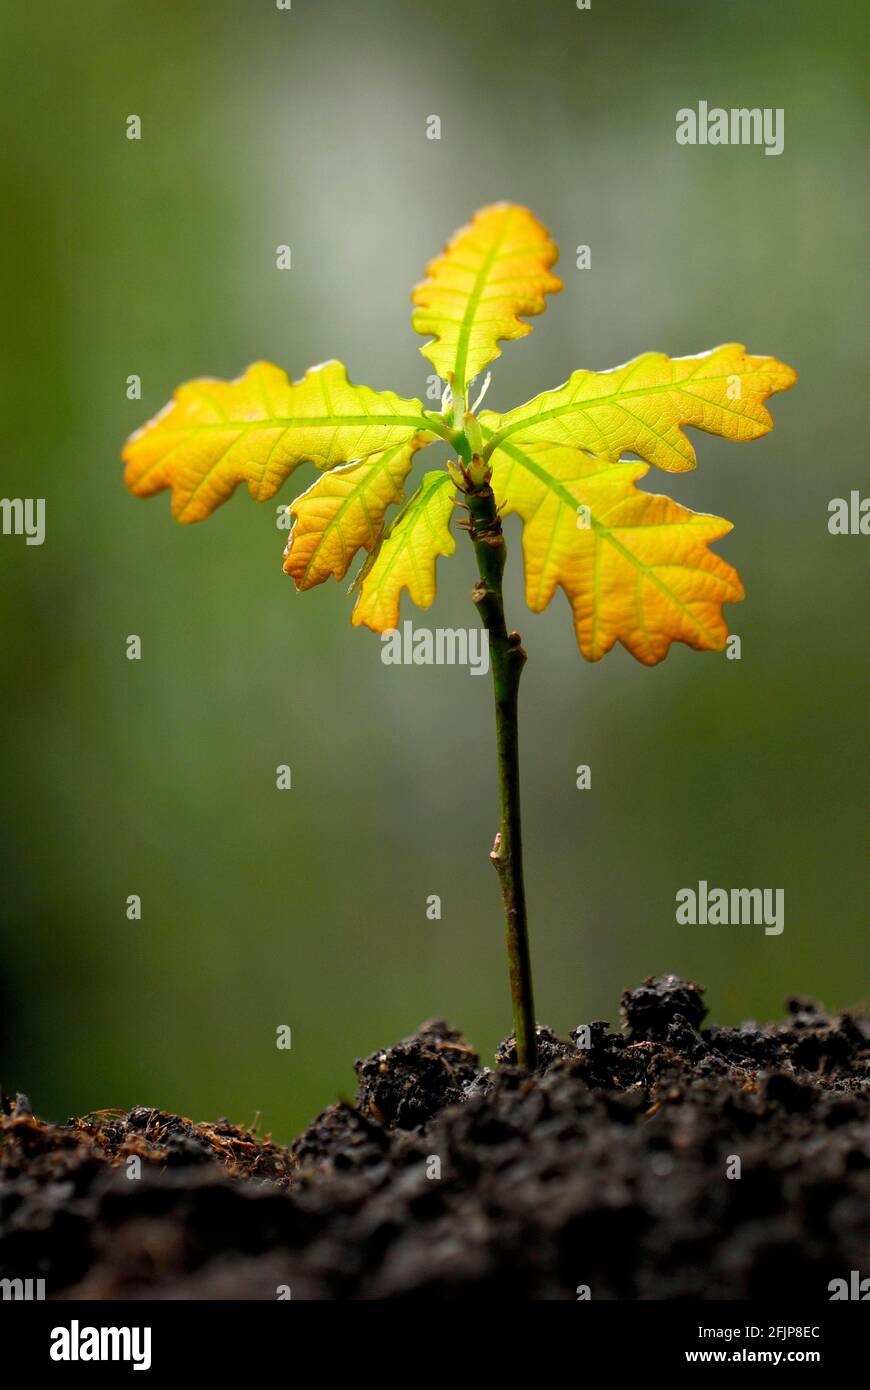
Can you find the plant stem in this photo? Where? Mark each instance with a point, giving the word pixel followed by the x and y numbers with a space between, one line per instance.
pixel 507 658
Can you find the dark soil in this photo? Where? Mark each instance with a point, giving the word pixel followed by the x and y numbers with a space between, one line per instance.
pixel 607 1169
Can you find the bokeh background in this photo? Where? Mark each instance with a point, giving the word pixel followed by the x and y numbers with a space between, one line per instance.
pixel 157 777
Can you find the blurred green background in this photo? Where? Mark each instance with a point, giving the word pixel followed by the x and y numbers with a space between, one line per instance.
pixel 157 777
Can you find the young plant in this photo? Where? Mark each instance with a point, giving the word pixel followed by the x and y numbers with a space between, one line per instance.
pixel 636 568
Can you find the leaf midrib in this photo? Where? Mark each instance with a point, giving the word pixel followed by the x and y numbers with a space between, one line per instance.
pixel 464 336
pixel 301 421
pixel 529 421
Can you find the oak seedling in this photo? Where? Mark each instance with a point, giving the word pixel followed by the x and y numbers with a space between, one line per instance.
pixel 636 568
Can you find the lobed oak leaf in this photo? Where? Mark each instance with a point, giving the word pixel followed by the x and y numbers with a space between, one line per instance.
pixel 640 406
pixel 407 556
pixel 214 435
pixel 492 271
pixel 636 567
pixel 343 512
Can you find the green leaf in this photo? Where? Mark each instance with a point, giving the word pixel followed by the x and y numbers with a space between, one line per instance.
pixel 407 556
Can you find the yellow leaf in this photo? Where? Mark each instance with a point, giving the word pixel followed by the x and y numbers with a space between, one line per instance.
pixel 343 512
pixel 406 559
pixel 493 270
pixel 641 406
pixel 636 568
pixel 216 434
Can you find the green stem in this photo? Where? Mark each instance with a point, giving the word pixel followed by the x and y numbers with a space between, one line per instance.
pixel 507 659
